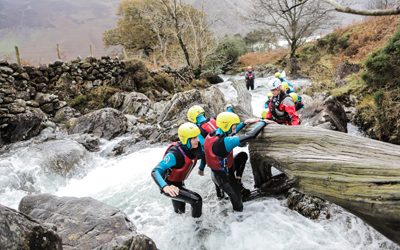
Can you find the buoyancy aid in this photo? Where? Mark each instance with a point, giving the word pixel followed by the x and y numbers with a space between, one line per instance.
pixel 213 161
pixel 207 127
pixel 278 113
pixel 180 174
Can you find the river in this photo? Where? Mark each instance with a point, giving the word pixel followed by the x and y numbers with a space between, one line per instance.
pixel 125 182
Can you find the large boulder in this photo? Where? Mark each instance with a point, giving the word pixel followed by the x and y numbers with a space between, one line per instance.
pixel 344 69
pixel 211 99
pixel 20 232
pixel 59 156
pixel 106 123
pixel 85 223
pixel 237 95
pixel 324 112
pixel 21 126
pixel 132 103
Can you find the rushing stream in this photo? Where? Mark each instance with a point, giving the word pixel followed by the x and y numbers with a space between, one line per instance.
pixel 125 182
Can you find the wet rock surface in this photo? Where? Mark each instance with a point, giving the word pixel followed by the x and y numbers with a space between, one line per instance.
pixel 20 232
pixel 95 226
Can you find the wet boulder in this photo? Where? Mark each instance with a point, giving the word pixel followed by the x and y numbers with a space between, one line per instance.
pixel 324 112
pixel 211 99
pixel 60 156
pixel 20 232
pixel 106 123
pixel 308 206
pixel 85 223
pixel 21 126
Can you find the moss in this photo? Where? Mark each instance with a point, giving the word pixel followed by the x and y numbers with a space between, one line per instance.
pixel 97 98
pixel 78 101
pixel 354 86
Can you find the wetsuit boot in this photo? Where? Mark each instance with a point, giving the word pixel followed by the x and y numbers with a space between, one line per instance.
pixel 244 191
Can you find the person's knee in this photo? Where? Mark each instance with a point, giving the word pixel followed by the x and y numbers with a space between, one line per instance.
pixel 242 156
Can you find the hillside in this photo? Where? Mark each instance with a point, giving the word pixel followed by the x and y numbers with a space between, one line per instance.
pixel 359 65
pixel 36 26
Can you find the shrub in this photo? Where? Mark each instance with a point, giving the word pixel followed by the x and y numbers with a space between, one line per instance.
pixel 382 66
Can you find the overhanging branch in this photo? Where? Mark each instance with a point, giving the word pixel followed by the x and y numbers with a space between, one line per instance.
pixel 340 8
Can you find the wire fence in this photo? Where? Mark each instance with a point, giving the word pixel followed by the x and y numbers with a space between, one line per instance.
pixel 37 55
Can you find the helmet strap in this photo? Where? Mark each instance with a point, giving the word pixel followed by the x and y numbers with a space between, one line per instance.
pixel 188 144
pixel 200 118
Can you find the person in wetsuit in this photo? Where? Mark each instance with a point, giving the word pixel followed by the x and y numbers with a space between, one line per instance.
pixel 179 160
pixel 196 114
pixel 282 108
pixel 227 169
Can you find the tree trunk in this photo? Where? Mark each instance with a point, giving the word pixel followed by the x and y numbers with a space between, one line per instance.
pixel 360 174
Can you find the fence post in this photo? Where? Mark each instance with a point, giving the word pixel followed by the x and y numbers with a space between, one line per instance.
pixel 124 53
pixel 17 55
pixel 91 51
pixel 58 52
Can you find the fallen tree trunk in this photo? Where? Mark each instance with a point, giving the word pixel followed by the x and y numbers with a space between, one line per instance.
pixel 360 174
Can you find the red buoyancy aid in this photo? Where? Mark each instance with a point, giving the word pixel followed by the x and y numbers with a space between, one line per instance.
pixel 209 126
pixel 180 174
pixel 213 161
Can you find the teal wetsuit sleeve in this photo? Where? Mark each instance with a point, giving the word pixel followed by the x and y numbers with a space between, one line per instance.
pixel 201 140
pixel 240 126
pixel 168 162
pixel 231 142
pixel 202 164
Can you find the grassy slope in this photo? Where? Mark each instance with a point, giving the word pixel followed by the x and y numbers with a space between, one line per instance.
pixel 378 106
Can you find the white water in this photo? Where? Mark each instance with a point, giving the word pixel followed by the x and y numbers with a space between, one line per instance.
pixel 125 182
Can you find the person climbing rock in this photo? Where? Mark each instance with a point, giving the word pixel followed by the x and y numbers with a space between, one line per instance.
pixel 196 115
pixel 227 169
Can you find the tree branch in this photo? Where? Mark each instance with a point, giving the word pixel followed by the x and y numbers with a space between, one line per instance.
pixel 340 8
pixel 344 9
pixel 294 6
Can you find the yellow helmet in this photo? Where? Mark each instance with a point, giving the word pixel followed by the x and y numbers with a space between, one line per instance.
pixel 249 68
pixel 187 131
pixel 285 86
pixel 225 120
pixel 194 112
pixel 264 113
pixel 294 96
pixel 278 75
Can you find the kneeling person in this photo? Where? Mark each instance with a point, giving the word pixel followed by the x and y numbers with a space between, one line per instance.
pixel 179 160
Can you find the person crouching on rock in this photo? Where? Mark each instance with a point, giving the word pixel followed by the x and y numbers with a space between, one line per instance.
pixel 179 160
pixel 227 169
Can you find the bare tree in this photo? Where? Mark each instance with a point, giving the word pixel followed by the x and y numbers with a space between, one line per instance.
pixel 174 10
pixel 290 20
pixel 202 40
pixel 158 22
